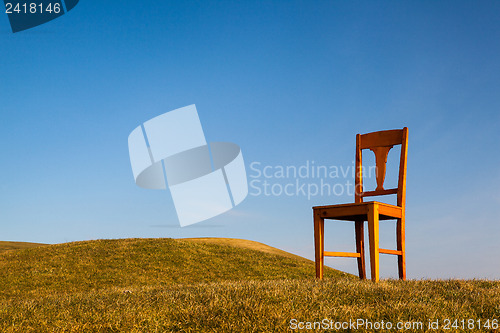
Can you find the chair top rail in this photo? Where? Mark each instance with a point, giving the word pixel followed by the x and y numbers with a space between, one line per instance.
pixel 381 139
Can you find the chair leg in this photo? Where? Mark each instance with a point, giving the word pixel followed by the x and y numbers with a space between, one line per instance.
pixel 373 230
pixel 400 232
pixel 319 232
pixel 360 248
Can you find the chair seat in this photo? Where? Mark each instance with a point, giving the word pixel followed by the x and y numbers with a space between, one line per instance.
pixel 358 211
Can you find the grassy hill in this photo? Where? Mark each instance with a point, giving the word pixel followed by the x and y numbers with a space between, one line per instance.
pixel 134 263
pixel 214 285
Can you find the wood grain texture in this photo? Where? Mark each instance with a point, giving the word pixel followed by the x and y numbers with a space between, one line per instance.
pixel 381 139
pixel 342 254
pixel 319 230
pixel 373 234
pixel 381 163
pixel 386 251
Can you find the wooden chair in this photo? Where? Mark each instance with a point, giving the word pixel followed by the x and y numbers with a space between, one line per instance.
pixel 359 212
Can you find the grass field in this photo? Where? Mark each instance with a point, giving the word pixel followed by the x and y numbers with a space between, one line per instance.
pixel 217 285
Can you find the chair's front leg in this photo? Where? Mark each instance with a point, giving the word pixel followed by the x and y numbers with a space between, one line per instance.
pixel 400 232
pixel 319 232
pixel 373 230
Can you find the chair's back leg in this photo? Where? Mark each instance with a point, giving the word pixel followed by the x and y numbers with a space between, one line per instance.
pixel 360 248
pixel 400 232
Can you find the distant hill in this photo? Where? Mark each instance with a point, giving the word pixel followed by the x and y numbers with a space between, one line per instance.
pixel 7 246
pixel 129 263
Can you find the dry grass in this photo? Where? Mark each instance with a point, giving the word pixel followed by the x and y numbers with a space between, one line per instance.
pixel 147 286
pixel 246 244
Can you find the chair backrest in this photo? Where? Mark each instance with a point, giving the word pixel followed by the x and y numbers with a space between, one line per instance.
pixel 380 143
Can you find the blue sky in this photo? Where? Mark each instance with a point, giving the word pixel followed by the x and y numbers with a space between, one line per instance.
pixel 290 82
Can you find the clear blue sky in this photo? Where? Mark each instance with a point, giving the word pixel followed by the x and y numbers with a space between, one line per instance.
pixel 290 82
